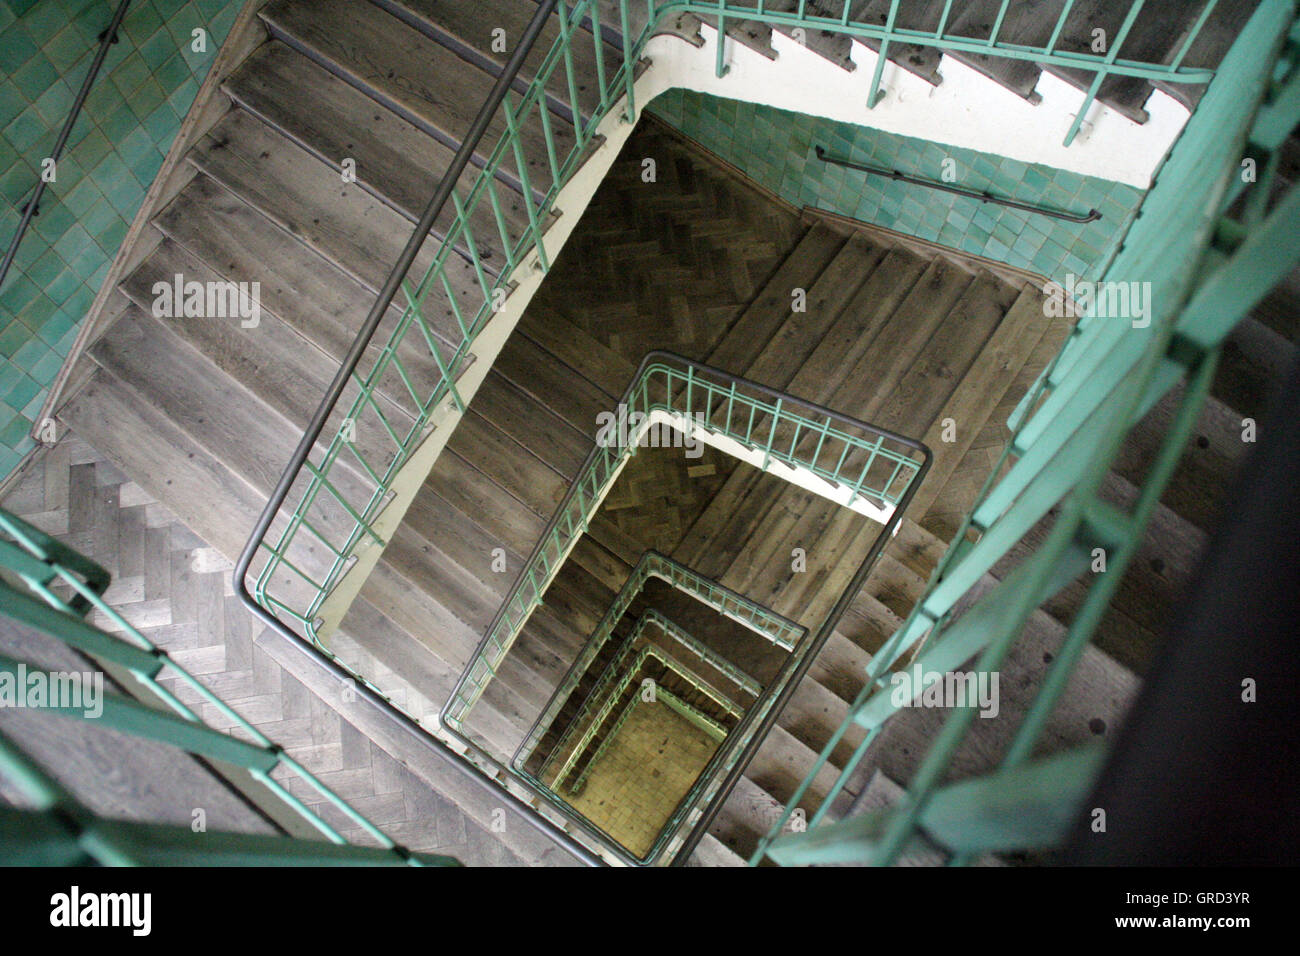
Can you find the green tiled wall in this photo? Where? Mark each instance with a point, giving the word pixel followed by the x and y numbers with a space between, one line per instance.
pixel 776 149
pixel 130 119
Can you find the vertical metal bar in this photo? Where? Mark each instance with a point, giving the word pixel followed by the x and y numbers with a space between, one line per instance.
pixel 1060 25
pixel 1191 37
pixel 720 67
pixel 629 62
pixel 877 94
pixel 1102 72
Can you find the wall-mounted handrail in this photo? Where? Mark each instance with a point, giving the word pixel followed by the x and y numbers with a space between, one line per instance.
pixel 32 207
pixel 1091 215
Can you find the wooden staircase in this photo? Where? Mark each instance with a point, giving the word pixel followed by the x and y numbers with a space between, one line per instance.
pixel 1157 36
pixel 204 415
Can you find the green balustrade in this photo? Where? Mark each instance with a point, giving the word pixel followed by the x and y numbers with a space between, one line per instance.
pixel 46 586
pixel 1207 270
pixel 341 491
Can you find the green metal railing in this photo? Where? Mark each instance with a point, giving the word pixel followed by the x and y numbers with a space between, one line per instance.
pixel 341 486
pixel 854 461
pixel 744 684
pixel 396 383
pixel 1209 259
pixel 587 729
pixel 46 586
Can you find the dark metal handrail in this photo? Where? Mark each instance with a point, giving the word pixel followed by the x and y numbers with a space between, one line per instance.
pixel 469 145
pixel 106 39
pixel 1092 215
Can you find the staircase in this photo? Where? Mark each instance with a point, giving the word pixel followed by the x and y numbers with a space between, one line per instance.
pixel 203 414
pixel 1158 35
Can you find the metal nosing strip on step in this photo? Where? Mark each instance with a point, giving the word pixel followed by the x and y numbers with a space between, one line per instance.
pixel 325 63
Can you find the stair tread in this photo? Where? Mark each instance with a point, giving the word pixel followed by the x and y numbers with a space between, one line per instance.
pixel 750 333
pixel 269 359
pixel 420 79
pixel 396 161
pixel 341 222
pixel 915 15
pixel 143 442
pixel 324 304
pixel 475 27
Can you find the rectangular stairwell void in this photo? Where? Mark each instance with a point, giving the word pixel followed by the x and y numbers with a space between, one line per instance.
pixel 664 692
pixel 695 568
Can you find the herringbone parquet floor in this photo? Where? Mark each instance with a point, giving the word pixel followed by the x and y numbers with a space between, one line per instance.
pixel 177 590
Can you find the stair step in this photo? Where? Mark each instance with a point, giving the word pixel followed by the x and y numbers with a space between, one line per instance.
pixel 826 299
pixel 395 161
pixel 913 405
pixel 751 332
pixel 421 80
pixel 915 15
pixel 270 360
pixel 1093 705
pixel 552 440
pixel 832 46
pixel 142 441
pixel 972 400
pixel 473 32
pixel 827 369
pixel 341 222
pixel 325 305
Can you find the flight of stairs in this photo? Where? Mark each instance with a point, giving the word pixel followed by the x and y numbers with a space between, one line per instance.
pixel 1157 36
pixel 204 415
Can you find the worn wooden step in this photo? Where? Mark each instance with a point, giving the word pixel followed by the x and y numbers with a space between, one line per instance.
pixel 978 392
pixel 922 61
pixel 1097 697
pixel 750 333
pixel 881 793
pixel 1158 35
pixel 825 301
pixel 421 80
pixel 1252 365
pixel 825 372
pixel 472 31
pixel 500 459
pixel 325 305
pixel 832 46
pixel 1209 460
pixel 393 159
pixel 913 405
pixel 141 440
pixel 220 412
pixel 342 222
pixel 269 359
pixel 555 442
pixel 455 482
